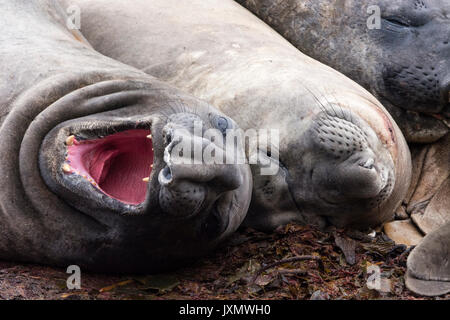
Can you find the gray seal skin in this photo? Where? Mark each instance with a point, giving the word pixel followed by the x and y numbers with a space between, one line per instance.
pixel 75 150
pixel 343 160
pixel 428 264
pixel 405 63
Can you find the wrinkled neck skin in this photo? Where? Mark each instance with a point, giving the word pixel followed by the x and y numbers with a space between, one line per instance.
pixel 220 52
pixel 57 96
pixel 404 63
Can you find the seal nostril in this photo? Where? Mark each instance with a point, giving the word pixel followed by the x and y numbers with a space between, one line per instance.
pixel 167 173
pixel 368 164
pixel 167 137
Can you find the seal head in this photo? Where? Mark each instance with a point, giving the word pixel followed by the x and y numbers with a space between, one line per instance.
pixel 343 168
pixel 118 168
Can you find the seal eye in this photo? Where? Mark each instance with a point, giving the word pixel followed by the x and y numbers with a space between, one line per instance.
pixel 397 22
pixel 222 124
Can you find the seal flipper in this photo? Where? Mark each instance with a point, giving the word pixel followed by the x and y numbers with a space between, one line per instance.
pixel 429 264
pixel 426 206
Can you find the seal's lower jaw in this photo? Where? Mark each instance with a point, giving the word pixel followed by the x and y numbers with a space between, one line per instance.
pixel 115 164
pixel 355 199
pixel 361 177
pixel 362 180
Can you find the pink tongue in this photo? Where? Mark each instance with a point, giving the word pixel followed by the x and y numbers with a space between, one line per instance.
pixel 116 164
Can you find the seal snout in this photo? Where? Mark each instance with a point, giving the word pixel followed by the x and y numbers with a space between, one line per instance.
pixel 188 183
pixel 357 165
pixel 339 136
pixel 363 178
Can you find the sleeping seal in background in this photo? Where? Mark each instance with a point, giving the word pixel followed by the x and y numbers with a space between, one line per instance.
pixel 79 133
pixel 405 62
pixel 343 160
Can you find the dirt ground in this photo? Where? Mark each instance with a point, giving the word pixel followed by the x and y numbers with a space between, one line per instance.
pixel 294 262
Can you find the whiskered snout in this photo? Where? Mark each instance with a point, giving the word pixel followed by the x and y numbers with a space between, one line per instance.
pixel 354 165
pixel 189 180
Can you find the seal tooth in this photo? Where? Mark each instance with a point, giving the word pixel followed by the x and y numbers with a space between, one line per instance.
pixel 66 168
pixel 70 140
pixel 146 179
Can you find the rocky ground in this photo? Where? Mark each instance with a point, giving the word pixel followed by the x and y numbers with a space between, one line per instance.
pixel 295 262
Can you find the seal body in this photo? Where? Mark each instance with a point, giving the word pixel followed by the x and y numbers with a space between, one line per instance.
pixel 398 50
pixel 80 131
pixel 342 158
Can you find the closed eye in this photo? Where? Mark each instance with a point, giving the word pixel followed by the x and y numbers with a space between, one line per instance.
pixel 398 22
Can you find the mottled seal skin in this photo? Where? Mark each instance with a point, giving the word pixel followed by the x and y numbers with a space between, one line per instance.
pixel 343 160
pixel 59 96
pixel 405 63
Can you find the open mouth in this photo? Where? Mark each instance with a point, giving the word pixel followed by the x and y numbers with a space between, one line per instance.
pixel 118 165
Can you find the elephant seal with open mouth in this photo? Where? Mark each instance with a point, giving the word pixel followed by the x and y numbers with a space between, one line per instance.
pixel 86 179
pixel 342 158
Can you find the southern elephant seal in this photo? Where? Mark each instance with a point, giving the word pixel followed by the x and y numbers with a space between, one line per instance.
pixel 342 158
pixel 79 133
pixel 404 60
